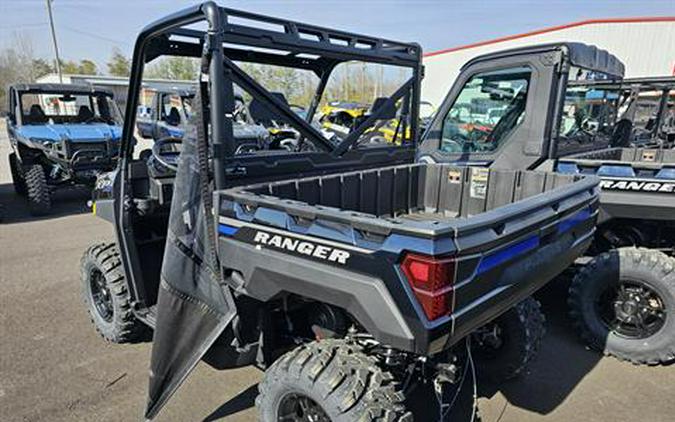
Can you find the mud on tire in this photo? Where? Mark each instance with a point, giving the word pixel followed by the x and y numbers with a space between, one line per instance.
pixel 503 349
pixel 39 198
pixel 18 179
pixel 622 303
pixel 105 294
pixel 338 377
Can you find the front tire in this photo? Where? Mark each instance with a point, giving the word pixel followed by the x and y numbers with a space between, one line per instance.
pixel 39 198
pixel 18 178
pixel 623 303
pixel 503 348
pixel 105 294
pixel 329 380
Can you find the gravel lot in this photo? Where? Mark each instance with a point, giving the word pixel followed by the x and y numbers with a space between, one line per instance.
pixel 54 367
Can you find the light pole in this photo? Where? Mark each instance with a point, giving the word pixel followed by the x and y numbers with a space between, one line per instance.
pixel 56 46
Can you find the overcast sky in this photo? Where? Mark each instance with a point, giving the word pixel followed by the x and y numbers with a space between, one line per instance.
pixel 92 28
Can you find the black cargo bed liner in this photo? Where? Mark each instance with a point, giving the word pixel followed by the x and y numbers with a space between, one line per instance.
pixel 418 199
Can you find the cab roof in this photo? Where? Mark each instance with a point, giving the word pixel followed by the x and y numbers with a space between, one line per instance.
pixel 579 54
pixel 61 89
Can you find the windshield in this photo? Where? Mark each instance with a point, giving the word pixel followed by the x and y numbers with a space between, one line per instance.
pixel 351 94
pixel 176 109
pixel 66 108
pixel 487 109
pixel 588 114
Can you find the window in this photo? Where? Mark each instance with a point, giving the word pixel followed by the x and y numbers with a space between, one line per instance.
pixel 668 122
pixel 487 109
pixel 587 119
pixel 176 109
pixel 645 115
pixel 68 108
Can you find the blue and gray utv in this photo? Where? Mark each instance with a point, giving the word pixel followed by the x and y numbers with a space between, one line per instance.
pixel 61 135
pixel 351 272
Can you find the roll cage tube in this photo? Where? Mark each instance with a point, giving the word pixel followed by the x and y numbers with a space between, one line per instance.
pixel 169 37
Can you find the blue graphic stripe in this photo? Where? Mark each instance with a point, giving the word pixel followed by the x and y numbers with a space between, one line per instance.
pixel 616 171
pixel 573 220
pixel 666 173
pixel 568 168
pixel 491 261
pixel 226 230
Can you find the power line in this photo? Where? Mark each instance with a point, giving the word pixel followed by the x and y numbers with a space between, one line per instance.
pixel 24 25
pixel 92 35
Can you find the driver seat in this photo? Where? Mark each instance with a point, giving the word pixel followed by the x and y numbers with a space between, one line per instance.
pixel 261 114
pixel 621 136
pixel 174 117
pixel 84 113
pixel 36 114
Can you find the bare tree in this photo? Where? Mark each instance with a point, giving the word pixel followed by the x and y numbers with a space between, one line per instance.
pixel 17 64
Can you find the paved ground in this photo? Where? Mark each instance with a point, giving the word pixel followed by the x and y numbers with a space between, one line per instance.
pixel 54 367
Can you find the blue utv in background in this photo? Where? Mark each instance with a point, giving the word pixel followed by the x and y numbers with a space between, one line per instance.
pixel 169 110
pixel 61 135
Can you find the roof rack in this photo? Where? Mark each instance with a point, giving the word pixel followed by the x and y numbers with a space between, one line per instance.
pixel 579 54
pixel 655 82
pixel 278 39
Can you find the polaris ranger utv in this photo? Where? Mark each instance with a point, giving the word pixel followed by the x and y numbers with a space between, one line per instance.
pixel 558 117
pixel 348 272
pixel 170 112
pixel 640 111
pixel 61 135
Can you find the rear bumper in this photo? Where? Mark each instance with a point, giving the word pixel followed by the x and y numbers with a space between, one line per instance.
pixel 372 288
pixel 637 205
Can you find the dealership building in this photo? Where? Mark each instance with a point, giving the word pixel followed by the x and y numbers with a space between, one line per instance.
pixel 645 45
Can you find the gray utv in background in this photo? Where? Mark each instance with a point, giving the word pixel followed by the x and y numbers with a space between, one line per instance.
pixel 557 116
pixel 170 113
pixel 639 112
pixel 350 272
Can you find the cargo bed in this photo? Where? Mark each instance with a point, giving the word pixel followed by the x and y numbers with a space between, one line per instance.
pixel 636 182
pixel 506 232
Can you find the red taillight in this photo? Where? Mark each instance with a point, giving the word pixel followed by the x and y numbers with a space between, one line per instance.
pixel 432 280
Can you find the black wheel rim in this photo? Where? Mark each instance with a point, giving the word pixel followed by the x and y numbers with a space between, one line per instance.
pixel 100 295
pixel 631 309
pixel 298 407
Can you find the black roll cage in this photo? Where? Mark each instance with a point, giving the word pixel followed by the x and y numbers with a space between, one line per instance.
pixel 16 93
pixel 304 46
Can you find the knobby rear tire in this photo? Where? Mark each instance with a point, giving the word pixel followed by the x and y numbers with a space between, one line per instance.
pixel 18 178
pixel 338 375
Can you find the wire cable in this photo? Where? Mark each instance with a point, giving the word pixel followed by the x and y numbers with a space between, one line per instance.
pixel 475 381
pixel 439 397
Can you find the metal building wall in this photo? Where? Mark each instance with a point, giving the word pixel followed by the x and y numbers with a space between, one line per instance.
pixel 645 45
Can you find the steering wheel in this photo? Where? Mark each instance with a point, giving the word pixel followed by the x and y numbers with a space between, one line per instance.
pixel 166 155
pixel 451 146
pixel 95 119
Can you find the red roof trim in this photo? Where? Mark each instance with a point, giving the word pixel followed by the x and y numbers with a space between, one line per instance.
pixel 553 29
